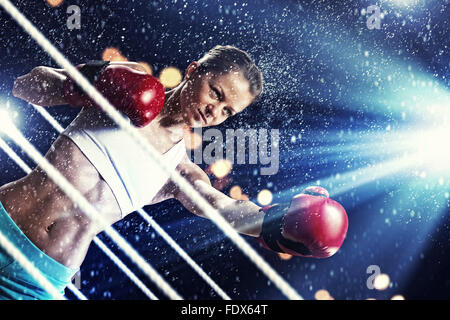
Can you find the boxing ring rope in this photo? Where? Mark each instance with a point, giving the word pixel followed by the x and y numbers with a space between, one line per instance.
pixel 88 209
pixel 47 116
pixel 76 292
pixel 13 155
pixel 56 125
pixel 29 267
pixel 184 185
pixel 10 152
pixel 13 251
pixel 124 268
pixel 183 254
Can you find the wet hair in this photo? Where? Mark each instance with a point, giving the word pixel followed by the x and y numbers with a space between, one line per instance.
pixel 223 59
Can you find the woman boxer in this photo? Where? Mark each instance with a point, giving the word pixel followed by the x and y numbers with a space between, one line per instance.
pixel 114 174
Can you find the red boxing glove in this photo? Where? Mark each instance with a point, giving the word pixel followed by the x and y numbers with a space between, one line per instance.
pixel 313 225
pixel 138 95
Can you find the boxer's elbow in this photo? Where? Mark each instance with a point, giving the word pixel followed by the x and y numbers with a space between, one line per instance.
pixel 18 87
pixel 41 86
pixel 26 87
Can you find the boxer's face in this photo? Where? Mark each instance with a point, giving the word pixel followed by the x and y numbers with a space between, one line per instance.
pixel 209 99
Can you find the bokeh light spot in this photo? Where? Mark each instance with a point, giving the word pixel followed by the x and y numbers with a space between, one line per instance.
pixel 55 3
pixel 170 77
pixel 265 197
pixel 113 54
pixel 323 294
pixel 147 67
pixel 381 281
pixel 221 168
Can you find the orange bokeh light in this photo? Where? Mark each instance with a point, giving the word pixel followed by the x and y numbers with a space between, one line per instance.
pixel 284 256
pixel 221 168
pixel 236 192
pixel 244 197
pixel 170 77
pixel 323 294
pixel 147 67
pixel 113 54
pixel 55 3
pixel 192 140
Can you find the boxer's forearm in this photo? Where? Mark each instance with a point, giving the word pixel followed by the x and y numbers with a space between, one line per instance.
pixel 43 86
pixel 244 216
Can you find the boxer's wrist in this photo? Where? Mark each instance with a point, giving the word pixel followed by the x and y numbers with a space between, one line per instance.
pixel 244 215
pixel 272 231
pixel 272 226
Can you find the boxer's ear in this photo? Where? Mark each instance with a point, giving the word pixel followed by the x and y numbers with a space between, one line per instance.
pixel 190 70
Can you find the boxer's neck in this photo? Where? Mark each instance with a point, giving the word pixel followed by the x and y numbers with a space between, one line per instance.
pixel 170 118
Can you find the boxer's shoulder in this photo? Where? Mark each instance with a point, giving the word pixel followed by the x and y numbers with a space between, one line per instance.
pixel 188 170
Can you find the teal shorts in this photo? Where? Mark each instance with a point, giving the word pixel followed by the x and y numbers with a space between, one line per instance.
pixel 15 282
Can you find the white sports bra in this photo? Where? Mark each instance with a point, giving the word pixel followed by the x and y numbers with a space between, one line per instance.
pixel 131 174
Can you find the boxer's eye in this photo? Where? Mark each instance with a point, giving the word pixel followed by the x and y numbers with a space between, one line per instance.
pixel 216 93
pixel 229 112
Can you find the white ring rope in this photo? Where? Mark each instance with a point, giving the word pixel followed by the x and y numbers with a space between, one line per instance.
pixel 47 116
pixel 13 251
pixel 97 241
pixel 76 292
pixel 183 254
pixel 87 208
pixel 125 269
pixel 57 126
pixel 180 181
pixel 29 267
pixel 10 152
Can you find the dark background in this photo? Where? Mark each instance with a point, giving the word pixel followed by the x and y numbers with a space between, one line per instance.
pixel 343 97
